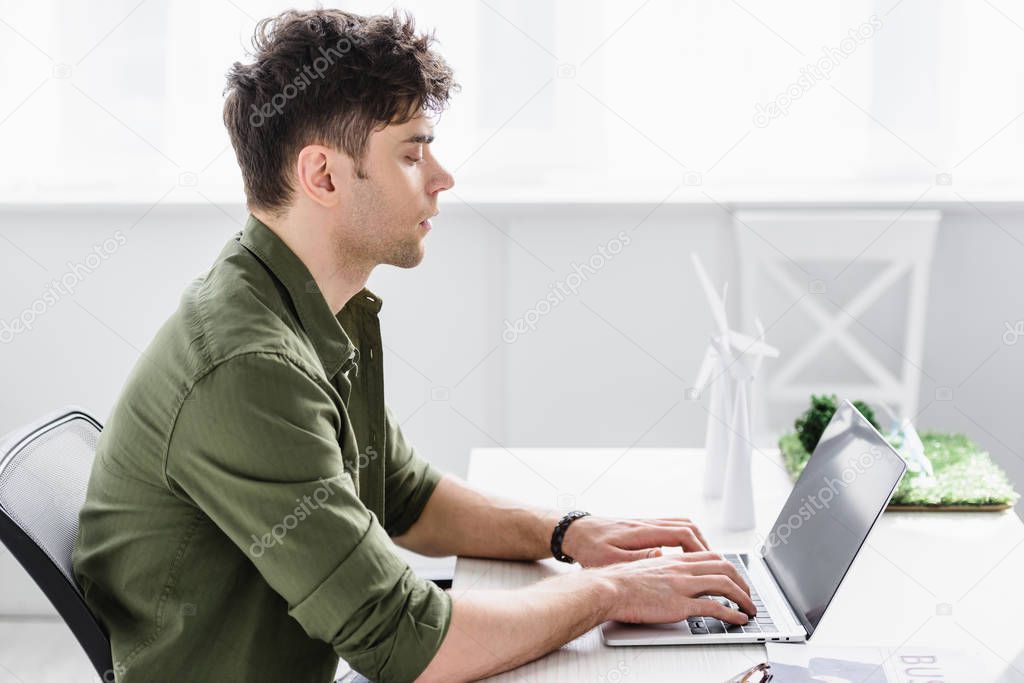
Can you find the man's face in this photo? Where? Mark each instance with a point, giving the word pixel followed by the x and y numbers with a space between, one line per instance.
pixel 385 214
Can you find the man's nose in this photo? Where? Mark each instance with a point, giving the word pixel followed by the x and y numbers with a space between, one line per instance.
pixel 442 181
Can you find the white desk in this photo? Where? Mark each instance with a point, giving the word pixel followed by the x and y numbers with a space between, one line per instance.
pixel 923 578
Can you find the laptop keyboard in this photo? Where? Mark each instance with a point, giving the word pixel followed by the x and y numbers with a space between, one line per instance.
pixel 760 623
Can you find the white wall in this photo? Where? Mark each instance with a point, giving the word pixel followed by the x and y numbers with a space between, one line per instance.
pixel 601 368
pixel 605 367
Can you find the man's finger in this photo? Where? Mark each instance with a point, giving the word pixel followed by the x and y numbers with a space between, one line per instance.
pixel 722 567
pixel 701 556
pixel 655 536
pixel 689 541
pixel 722 586
pixel 676 522
pixel 713 608
pixel 634 555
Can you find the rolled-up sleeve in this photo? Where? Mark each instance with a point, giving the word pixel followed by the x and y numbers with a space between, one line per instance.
pixel 409 480
pixel 255 446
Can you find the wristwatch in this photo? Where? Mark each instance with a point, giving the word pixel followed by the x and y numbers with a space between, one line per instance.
pixel 559 533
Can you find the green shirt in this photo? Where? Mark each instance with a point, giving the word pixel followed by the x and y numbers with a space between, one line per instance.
pixel 238 518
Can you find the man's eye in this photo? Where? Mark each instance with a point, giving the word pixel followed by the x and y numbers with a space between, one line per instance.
pixel 414 160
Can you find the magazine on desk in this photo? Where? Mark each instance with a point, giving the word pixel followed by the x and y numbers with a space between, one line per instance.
pixel 790 663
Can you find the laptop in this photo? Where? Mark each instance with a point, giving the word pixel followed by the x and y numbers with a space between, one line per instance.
pixel 793 577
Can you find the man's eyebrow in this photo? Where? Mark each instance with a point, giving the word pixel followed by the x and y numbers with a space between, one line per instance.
pixel 420 138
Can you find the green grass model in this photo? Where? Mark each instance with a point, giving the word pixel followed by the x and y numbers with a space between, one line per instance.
pixel 965 475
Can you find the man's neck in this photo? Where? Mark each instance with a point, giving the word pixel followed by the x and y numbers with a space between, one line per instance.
pixel 337 279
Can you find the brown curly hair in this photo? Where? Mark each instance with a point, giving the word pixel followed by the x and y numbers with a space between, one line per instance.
pixel 327 77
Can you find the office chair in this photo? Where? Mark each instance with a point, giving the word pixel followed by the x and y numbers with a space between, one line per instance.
pixel 44 471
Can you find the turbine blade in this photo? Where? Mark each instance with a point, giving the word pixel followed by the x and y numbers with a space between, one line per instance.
pixel 716 304
pixel 752 346
pixel 706 367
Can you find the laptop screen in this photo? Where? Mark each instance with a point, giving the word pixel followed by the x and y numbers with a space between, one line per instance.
pixel 840 493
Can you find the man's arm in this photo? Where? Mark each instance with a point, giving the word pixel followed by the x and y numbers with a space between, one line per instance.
pixel 459 520
pixel 494 631
pixel 255 448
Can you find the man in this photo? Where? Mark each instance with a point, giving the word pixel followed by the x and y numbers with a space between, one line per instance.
pixel 250 484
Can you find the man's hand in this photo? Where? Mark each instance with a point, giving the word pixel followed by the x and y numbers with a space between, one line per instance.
pixel 523 624
pixel 459 520
pixel 598 541
pixel 660 590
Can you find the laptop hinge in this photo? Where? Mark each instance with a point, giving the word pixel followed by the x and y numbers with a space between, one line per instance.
pixel 785 598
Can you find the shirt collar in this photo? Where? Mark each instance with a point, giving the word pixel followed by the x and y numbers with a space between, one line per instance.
pixel 333 345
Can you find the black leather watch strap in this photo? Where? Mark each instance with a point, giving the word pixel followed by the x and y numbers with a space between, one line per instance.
pixel 559 533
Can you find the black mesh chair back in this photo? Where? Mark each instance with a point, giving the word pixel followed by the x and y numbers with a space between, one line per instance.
pixel 44 472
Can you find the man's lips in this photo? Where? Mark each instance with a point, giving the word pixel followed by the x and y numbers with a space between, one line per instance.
pixel 426 224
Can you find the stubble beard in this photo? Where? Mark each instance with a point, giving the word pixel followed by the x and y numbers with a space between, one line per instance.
pixel 381 245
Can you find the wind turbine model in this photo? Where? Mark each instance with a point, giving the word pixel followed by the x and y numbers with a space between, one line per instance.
pixel 729 376
pixel 738 501
pixel 911 446
pixel 714 369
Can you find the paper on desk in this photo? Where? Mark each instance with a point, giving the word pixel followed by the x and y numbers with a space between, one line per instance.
pixel 800 663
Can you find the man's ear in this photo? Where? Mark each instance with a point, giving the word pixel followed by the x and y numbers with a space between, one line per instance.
pixel 317 171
